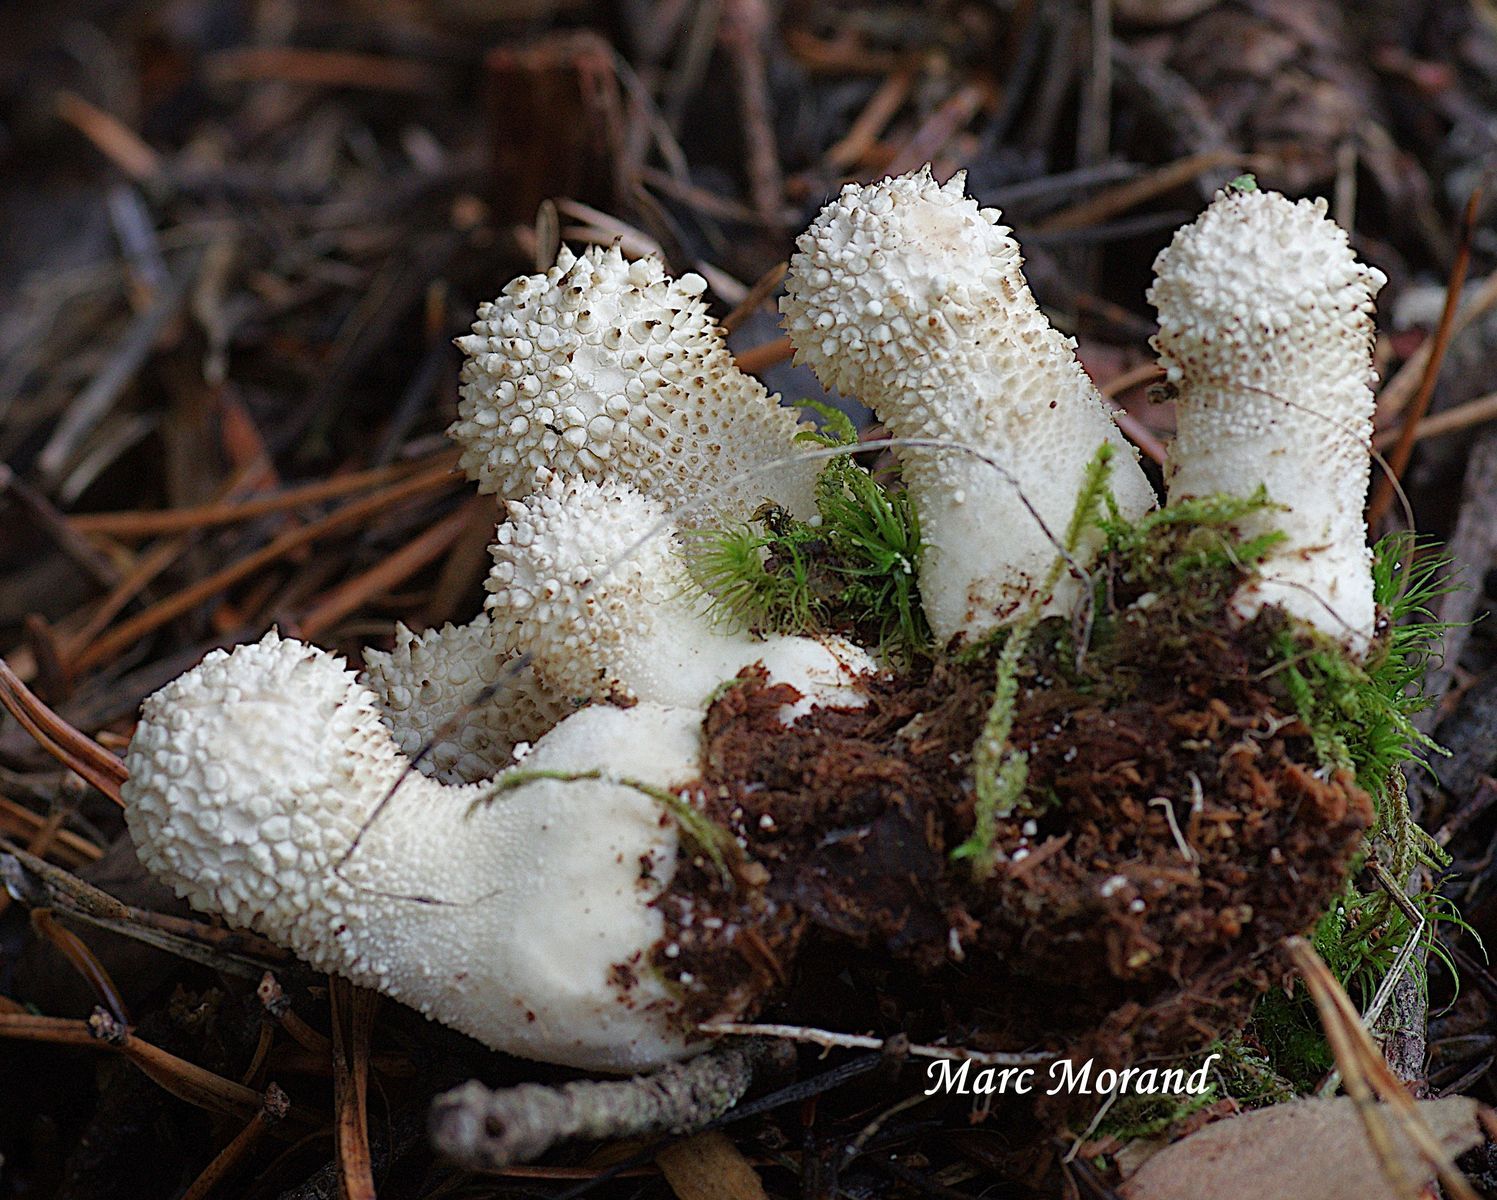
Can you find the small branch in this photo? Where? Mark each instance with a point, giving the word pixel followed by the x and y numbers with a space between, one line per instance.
pixel 485 1130
pixel 830 1040
pixel 1398 460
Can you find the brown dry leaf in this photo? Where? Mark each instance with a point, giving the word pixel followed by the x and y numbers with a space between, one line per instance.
pixel 709 1167
pixel 1311 1150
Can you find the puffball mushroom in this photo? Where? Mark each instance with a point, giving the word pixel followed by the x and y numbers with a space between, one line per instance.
pixel 907 295
pixel 429 687
pixel 608 369
pixel 251 776
pixel 1265 334
pixel 587 582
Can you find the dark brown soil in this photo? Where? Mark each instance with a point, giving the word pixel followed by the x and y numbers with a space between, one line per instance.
pixel 1174 831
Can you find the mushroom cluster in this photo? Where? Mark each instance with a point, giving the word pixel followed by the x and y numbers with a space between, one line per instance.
pixel 483 824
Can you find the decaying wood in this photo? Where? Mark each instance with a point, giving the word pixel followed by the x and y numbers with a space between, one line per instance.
pixel 483 1129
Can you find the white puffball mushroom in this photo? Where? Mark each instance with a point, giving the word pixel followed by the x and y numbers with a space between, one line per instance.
pixel 251 775
pixel 587 581
pixel 1265 333
pixel 907 295
pixel 429 687
pixel 607 369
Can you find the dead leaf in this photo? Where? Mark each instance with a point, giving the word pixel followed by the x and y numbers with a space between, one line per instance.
pixel 709 1167
pixel 1310 1150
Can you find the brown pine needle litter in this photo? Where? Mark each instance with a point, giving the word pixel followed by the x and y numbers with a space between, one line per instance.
pixel 237 252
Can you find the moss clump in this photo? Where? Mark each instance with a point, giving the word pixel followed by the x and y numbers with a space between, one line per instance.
pixel 854 570
pixel 1154 644
pixel 1000 772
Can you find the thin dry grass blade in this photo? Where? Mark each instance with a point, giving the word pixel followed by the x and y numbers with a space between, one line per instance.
pixel 1367 1079
pixel 1130 194
pixel 761 291
pixel 184 1080
pixel 73 749
pixel 181 520
pixel 436 478
pixel 353 1022
pixel 389 572
pixel 761 358
pixel 1398 459
pixel 19 821
pixel 81 959
pixel 1451 420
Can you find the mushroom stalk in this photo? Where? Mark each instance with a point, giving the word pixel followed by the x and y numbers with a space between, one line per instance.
pixel 1265 335
pixel 258 786
pixel 587 582
pixel 908 295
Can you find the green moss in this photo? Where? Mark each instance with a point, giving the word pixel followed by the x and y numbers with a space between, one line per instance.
pixel 716 842
pixel 855 569
pixel 1000 773
pixel 1194 544
pixel 1361 715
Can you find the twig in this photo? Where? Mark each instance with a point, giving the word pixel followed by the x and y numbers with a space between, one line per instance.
pixel 39 884
pixel 388 572
pixel 853 1041
pixel 438 478
pixel 484 1130
pixel 1398 460
pixel 180 520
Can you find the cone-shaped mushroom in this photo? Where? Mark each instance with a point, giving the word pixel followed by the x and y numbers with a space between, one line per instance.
pixel 907 295
pixel 607 369
pixel 586 581
pixel 1265 334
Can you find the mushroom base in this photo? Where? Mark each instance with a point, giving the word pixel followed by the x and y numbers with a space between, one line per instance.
pixel 1173 830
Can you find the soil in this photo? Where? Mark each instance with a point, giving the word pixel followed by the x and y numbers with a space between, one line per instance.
pixel 1174 829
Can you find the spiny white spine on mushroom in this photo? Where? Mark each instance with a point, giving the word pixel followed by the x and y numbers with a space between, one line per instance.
pixel 253 776
pixel 455 693
pixel 909 296
pixel 603 368
pixel 587 581
pixel 1265 331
